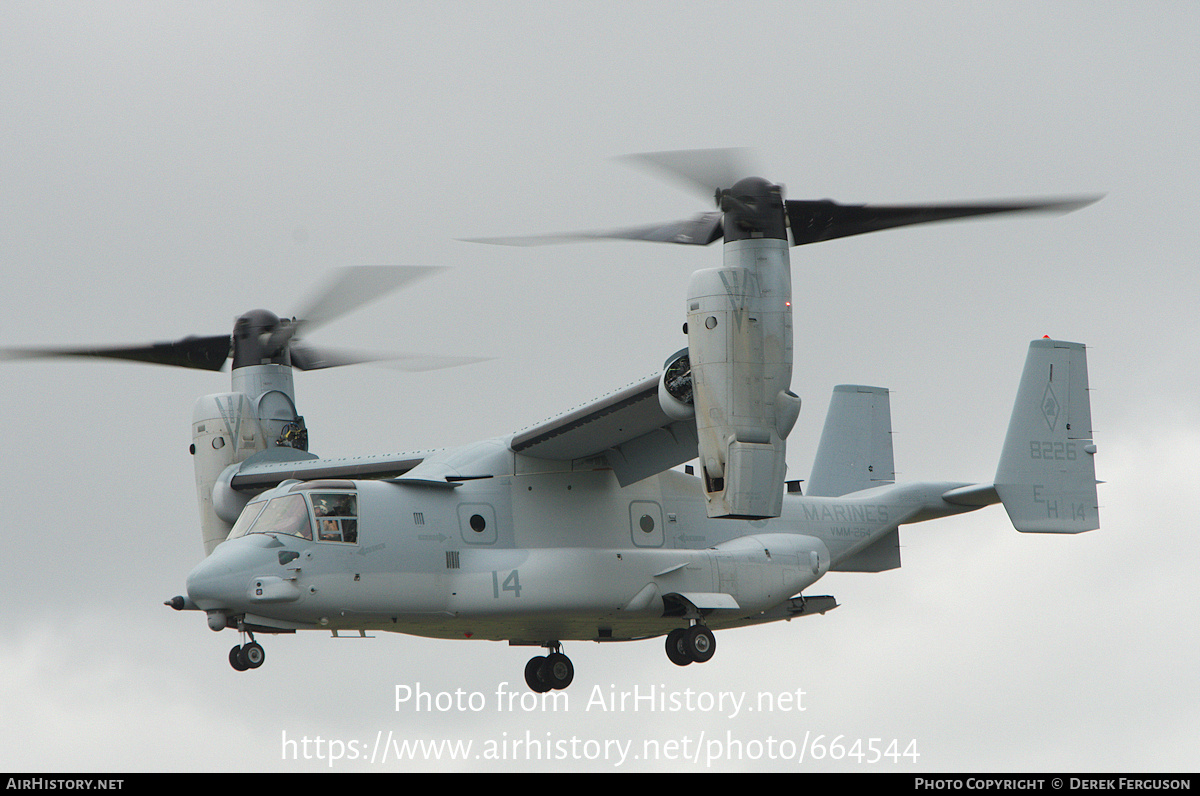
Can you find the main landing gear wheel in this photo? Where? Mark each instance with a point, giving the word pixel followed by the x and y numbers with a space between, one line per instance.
pixel 549 673
pixel 250 656
pixel 695 644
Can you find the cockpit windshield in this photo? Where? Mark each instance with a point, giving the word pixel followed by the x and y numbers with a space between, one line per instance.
pixel 246 519
pixel 287 514
pixel 334 516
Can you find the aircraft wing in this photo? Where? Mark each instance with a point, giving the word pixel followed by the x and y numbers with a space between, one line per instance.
pixel 627 427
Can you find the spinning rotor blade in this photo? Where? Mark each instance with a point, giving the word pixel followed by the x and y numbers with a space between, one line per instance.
pixel 700 231
pixel 355 286
pixel 706 170
pixel 309 358
pixel 757 205
pixel 417 363
pixel 814 221
pixel 350 288
pixel 203 353
pixel 261 336
pixel 318 358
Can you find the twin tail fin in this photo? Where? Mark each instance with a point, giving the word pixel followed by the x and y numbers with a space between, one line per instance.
pixel 1046 478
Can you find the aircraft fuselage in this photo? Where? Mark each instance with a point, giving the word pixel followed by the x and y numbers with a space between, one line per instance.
pixel 535 557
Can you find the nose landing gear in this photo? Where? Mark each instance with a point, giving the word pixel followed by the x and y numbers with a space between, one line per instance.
pixel 695 644
pixel 550 672
pixel 247 656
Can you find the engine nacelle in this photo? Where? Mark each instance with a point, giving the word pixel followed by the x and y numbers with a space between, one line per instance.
pixel 740 352
pixel 224 432
pixel 229 428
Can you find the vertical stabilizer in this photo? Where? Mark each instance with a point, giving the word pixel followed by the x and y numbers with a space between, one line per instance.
pixel 855 451
pixel 1047 476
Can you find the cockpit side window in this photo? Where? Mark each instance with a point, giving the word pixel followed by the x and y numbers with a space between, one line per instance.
pixel 337 516
pixel 246 519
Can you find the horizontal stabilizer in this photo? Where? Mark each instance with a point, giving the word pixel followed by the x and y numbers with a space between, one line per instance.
pixel 1047 476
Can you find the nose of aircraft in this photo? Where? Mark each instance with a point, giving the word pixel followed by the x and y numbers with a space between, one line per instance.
pixel 222 581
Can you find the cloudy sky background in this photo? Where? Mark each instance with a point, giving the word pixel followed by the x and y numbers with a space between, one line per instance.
pixel 167 166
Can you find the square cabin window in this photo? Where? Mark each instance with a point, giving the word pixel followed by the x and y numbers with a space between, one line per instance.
pixel 336 514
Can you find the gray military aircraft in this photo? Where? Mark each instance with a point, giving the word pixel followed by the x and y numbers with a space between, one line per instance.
pixel 579 528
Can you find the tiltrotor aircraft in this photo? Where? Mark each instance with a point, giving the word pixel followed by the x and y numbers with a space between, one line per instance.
pixel 578 529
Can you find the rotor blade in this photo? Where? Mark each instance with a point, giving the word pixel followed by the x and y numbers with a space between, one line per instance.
pixel 348 289
pixel 698 231
pixel 814 221
pixel 203 353
pixel 355 286
pixel 705 170
pixel 416 363
pixel 310 358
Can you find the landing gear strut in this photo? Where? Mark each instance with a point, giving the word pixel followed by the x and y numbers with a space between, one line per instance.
pixel 695 644
pixel 550 672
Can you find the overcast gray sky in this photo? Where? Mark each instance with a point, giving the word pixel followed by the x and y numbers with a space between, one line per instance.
pixel 167 166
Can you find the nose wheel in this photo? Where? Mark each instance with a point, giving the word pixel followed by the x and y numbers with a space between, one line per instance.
pixel 695 644
pixel 549 672
pixel 247 656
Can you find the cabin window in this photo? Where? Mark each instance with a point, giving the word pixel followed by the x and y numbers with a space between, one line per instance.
pixel 336 515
